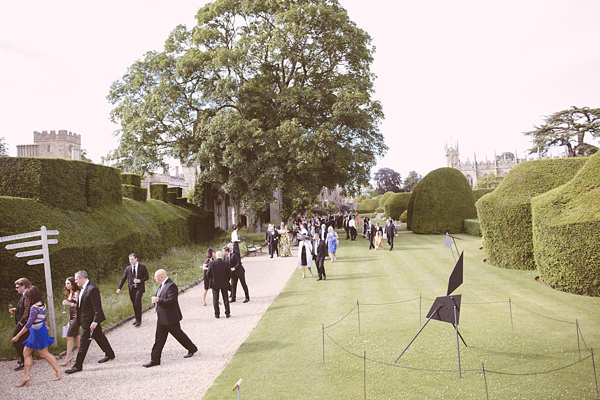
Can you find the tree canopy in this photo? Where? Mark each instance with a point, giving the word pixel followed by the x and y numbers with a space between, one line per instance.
pixel 411 181
pixel 387 180
pixel 489 181
pixel 263 95
pixel 567 128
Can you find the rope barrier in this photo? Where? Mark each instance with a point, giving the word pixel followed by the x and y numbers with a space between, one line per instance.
pixel 386 304
pixel 343 318
pixel 543 316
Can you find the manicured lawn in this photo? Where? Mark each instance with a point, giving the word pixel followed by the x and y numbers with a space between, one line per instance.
pixel 283 356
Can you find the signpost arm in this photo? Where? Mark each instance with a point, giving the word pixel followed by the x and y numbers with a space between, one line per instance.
pixel 48 276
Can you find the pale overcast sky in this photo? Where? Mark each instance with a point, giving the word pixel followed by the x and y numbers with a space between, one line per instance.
pixel 475 72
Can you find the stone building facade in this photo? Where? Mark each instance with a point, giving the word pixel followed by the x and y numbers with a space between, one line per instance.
pixel 476 170
pixel 51 144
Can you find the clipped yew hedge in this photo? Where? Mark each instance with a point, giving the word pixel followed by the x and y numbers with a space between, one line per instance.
pixel 566 232
pixel 158 191
pixel 479 193
pixel 135 192
pixel 396 204
pixel 383 199
pixel 505 214
pixel 131 179
pixel 98 240
pixel 443 201
pixel 368 206
pixel 65 184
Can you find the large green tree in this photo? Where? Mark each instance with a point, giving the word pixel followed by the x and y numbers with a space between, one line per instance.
pixel 411 181
pixel 387 180
pixel 263 94
pixel 567 128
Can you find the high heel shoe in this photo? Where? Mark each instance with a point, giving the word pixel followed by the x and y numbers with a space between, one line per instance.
pixel 23 382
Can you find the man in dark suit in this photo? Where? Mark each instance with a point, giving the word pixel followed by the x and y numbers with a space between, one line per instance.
pixel 21 285
pixel 390 232
pixel 135 274
pixel 219 273
pixel 320 252
pixel 238 273
pixel 168 316
pixel 272 238
pixel 90 315
pixel 372 232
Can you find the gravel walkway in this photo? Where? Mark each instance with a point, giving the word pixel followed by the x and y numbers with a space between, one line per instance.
pixel 125 378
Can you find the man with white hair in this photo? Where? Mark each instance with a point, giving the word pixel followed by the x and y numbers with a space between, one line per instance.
pixel 219 274
pixel 168 316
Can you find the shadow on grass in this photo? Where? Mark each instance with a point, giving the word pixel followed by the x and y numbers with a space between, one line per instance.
pixel 260 346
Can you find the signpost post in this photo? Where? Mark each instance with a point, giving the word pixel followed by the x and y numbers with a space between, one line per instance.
pixel 44 242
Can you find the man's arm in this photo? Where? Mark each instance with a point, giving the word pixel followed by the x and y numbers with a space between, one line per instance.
pixel 143 276
pixel 123 279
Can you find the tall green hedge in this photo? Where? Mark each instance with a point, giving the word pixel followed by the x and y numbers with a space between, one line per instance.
pixel 98 240
pixel 368 206
pixel 566 232
pixel 158 191
pixel 479 193
pixel 131 179
pixel 505 214
pixel 383 199
pixel 135 192
pixel 443 201
pixel 396 204
pixel 65 184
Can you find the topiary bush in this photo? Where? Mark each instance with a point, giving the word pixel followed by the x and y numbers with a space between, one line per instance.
pixel 479 193
pixel 566 232
pixel 367 206
pixel 135 192
pixel 505 214
pixel 131 179
pixel 383 199
pixel 396 204
pixel 443 201
pixel 158 191
pixel 403 216
pixel 65 184
pixel 472 227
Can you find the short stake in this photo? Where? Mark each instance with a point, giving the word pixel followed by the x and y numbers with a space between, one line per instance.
pixel 238 386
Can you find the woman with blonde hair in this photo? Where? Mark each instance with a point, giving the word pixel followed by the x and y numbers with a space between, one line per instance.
pixel 284 241
pixel 71 294
pixel 332 242
pixel 38 335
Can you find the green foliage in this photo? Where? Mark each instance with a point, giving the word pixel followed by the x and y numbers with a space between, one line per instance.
pixel 383 199
pixel 65 184
pixel 505 214
pixel 135 192
pixel 368 206
pixel 567 129
pixel 472 227
pixel 291 87
pixel 490 181
pixel 566 227
pixel 158 191
pixel 479 193
pixel 3 147
pixel 131 179
pixel 396 204
pixel 442 201
pixel 387 180
pixel 99 240
pixel 404 216
pixel 411 181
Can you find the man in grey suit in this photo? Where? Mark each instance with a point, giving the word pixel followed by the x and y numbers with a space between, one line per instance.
pixel 219 273
pixel 168 316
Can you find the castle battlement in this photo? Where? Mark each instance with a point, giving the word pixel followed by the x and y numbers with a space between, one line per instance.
pixel 62 135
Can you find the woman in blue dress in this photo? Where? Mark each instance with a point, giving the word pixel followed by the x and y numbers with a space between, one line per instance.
pixel 38 335
pixel 332 242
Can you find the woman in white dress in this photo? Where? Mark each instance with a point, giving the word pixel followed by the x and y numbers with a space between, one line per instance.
pixel 305 253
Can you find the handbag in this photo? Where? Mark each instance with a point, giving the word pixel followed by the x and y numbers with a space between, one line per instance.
pixel 65 330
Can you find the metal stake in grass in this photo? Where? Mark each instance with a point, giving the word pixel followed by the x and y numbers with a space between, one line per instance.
pixel 238 386
pixel 578 345
pixel 323 329
pixel 487 396
pixel 365 375
pixel 358 306
pixel 511 320
pixel 595 377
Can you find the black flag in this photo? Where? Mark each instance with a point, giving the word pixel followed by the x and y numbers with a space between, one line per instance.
pixel 456 278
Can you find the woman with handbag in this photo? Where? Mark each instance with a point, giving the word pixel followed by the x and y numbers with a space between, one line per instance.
pixel 71 296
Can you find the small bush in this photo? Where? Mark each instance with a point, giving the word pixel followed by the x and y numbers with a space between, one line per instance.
pixel 135 192
pixel 472 227
pixel 131 179
pixel 479 193
pixel 403 216
pixel 158 191
pixel 396 204
pixel 368 206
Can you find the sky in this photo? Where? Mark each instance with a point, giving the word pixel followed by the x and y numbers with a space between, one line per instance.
pixel 477 73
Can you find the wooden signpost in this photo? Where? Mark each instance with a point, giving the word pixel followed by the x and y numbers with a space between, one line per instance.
pixel 44 242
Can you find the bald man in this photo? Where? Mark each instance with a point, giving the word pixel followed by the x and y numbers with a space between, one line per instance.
pixel 168 316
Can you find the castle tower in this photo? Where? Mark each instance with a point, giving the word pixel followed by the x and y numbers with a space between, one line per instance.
pixel 452 156
pixel 63 144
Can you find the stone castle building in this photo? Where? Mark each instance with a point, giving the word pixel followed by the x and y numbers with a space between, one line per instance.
pixel 475 170
pixel 52 145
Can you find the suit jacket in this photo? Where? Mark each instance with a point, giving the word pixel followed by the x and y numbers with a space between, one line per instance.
pixel 167 307
pixel 236 262
pixel 321 251
pixel 219 273
pixel 142 275
pixel 89 308
pixel 390 230
pixel 272 237
pixel 20 311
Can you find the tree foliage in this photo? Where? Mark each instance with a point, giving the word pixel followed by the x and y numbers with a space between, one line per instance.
pixel 263 95
pixel 489 181
pixel 411 181
pixel 507 155
pixel 387 180
pixel 567 128
pixel 3 147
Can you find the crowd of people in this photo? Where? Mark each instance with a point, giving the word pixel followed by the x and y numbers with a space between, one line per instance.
pixel 316 238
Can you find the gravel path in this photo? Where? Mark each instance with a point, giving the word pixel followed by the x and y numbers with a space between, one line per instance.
pixel 124 377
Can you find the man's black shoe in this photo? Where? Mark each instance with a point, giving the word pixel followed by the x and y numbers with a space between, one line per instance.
pixel 19 367
pixel 72 370
pixel 105 359
pixel 228 315
pixel 216 316
pixel 232 301
pixel 189 354
pixel 247 300
pixel 137 324
pixel 150 364
pixel 319 279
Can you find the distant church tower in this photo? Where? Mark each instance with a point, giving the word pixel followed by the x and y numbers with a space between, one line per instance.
pixel 65 145
pixel 474 171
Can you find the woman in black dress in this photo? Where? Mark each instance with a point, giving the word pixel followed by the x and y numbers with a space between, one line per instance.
pixel 210 254
pixel 71 296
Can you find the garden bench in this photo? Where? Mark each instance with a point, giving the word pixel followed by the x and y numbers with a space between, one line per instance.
pixel 252 248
